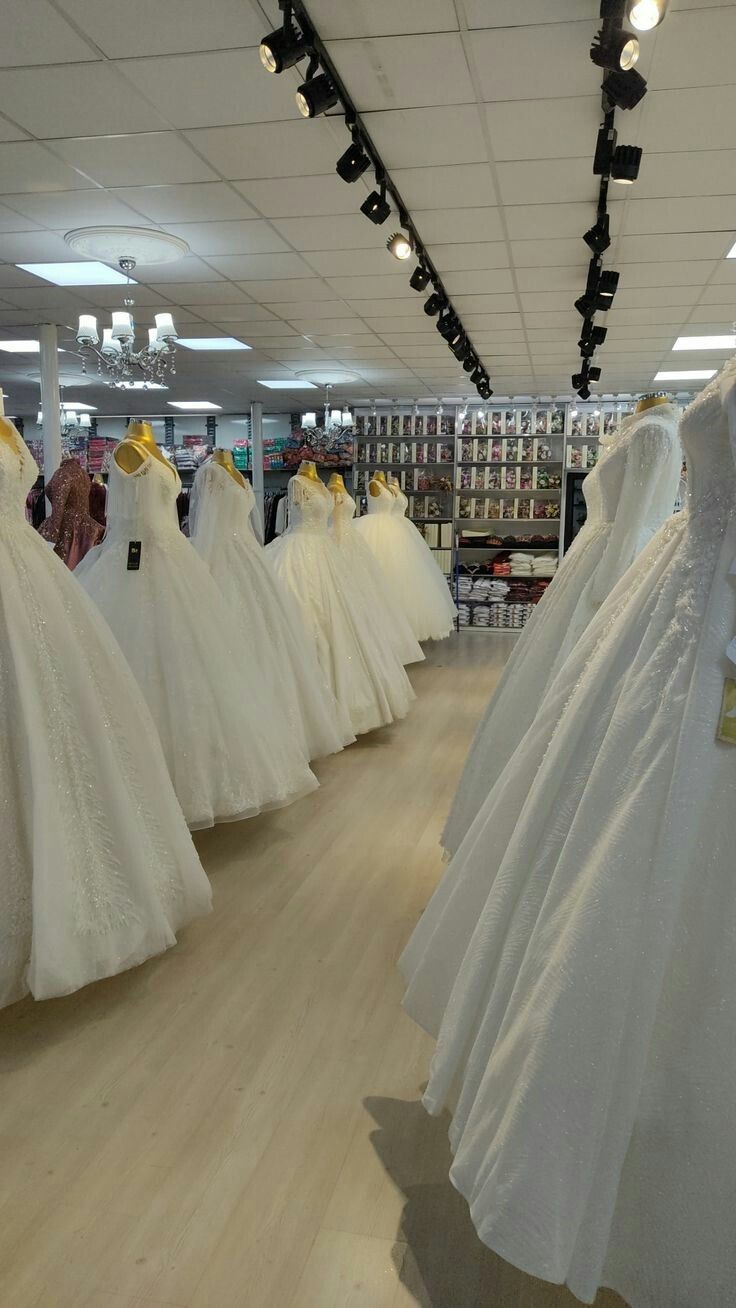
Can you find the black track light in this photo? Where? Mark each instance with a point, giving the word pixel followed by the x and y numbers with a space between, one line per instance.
pixel 585 305
pixel 624 90
pixel 594 374
pixel 606 288
pixel 434 303
pixel 591 339
pixel 604 148
pixel 645 15
pixel 470 363
pixel 584 392
pixel 615 49
pixel 282 49
pixel 376 206
pixel 477 375
pixel 625 164
pixel 353 163
pixel 459 348
pixel 316 96
pixel 419 279
pixel 400 246
pixel 447 325
pixel 598 238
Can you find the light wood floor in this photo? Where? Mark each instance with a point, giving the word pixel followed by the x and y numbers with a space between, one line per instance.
pixel 236 1124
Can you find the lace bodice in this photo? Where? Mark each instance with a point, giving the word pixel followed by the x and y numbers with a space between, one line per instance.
pixel 18 472
pixel 220 508
pixel 142 504
pixel 344 510
pixel 310 504
pixel 401 503
pixel 644 459
pixel 708 431
pixel 384 502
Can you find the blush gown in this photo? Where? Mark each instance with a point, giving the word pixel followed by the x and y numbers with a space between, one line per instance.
pixel 376 589
pixel 274 637
pixel 364 672
pixel 577 963
pixel 406 560
pixel 224 734
pixel 98 870
pixel 71 527
pixel 629 494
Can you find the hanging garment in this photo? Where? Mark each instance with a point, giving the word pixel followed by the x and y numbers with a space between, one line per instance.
pixel 377 590
pixel 273 638
pixel 629 494
pixel 71 527
pixel 223 732
pixel 406 560
pixel 98 870
pixel 577 964
pixel 364 674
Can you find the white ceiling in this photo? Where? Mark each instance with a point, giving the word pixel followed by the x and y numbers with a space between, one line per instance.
pixel 486 114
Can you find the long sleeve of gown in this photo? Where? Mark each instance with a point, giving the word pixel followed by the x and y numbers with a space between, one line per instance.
pixel 647 499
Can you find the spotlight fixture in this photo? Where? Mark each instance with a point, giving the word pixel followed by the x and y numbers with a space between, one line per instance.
pixel 470 363
pixel 624 89
pixel 625 164
pixel 606 288
pixel 584 391
pixel 604 147
pixel 447 326
pixel 644 15
pixel 598 238
pixel 459 347
pixel 316 96
pixel 353 163
pixel 419 279
pixel 615 49
pixel 282 49
pixel 591 338
pixel 434 303
pixel 400 246
pixel 376 206
pixel 477 375
pixel 586 305
pixel 594 374
pixel 485 391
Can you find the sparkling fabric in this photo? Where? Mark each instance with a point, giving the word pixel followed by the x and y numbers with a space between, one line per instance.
pixel 577 963
pixel 629 494
pixel 71 527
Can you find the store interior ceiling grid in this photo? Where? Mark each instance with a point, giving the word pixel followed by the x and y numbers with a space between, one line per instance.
pixel 486 115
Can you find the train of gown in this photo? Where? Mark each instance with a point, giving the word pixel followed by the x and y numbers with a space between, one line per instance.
pixel 629 494
pixel 577 963
pixel 98 870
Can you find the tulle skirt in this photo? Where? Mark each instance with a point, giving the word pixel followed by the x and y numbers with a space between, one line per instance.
pixel 98 870
pixel 364 673
pixel 420 589
pixel 379 594
pixel 577 963
pixel 224 735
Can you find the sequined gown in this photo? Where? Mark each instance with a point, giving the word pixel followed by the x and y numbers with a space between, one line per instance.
pixel 629 494
pixel 70 526
pixel 224 734
pixel 365 674
pixel 97 870
pixel 577 963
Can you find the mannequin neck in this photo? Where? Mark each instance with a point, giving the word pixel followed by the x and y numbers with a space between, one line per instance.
pixel 651 402
pixel 308 469
pixel 141 434
pixel 336 484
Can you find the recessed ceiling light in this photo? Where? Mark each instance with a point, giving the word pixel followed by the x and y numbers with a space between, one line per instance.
pixel 88 273
pixel 193 404
pixel 287 385
pixel 211 343
pixel 705 343
pixel 76 407
pixel 698 374
pixel 20 347
pixel 732 253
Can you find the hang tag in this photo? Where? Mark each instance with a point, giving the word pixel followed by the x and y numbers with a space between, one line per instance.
pixel 134 555
pixel 727 721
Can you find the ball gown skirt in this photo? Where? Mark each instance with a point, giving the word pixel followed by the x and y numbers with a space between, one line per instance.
pixel 274 637
pixel 577 963
pixel 366 677
pixel 98 871
pixel 629 494
pixel 406 560
pixel 224 735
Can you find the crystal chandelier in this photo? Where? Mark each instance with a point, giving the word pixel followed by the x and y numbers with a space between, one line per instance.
pixel 117 352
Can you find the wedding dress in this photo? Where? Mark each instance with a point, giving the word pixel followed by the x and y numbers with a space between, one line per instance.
pixel 629 494
pixel 98 870
pixel 364 673
pixel 223 733
pixel 406 559
pixel 577 963
pixel 274 638
pixel 377 591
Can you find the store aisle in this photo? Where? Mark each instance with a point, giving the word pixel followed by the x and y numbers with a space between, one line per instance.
pixel 236 1124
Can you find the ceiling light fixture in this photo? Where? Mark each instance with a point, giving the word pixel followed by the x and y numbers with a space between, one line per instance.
pixel 624 89
pixel 353 163
pixel 732 253
pixel 290 385
pixel 606 288
pixel 614 48
pixel 420 278
pixel 316 95
pixel 693 374
pixel 625 164
pixel 591 338
pixel 20 347
pixel 89 273
pixel 645 15
pixel 198 406
pixel 376 206
pixel 400 246
pixel 434 303
pixel 211 343
pixel 705 343
pixel 283 48
pixel 117 351
pixel 598 237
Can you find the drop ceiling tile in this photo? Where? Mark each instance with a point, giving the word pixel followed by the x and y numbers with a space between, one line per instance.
pixel 348 263
pixel 524 62
pixel 534 301
pixel 678 273
pixel 707 213
pixel 470 255
pixel 568 279
pixel 342 232
pixel 133 160
pixel 388 287
pixel 211 89
pixel 453 226
pixel 650 316
pixel 47 101
pixel 196 293
pixel 44 297
pixel 10 132
pixel 270 331
pixel 171 26
pixel 301 310
pixel 410 138
pixel 342 325
pixel 250 326
pixel 252 236
pixel 483 322
pixel 109 297
pixel 709 318
pixel 297 149
pixel 719 294
pixel 531 222
pixel 670 247
pixel 34 32
pixel 243 267
pixel 303 197
pixel 402 308
pixel 563 127
pixel 300 288
pixel 510 13
pixel 188 269
pixel 679 173
pixel 484 282
pixel 401 341
pixel 355 18
pixel 691 52
pixel 725 271
pixel 242 313
pixel 29 166
pixel 394 72
pixel 11 220
pixel 548 254
pixel 69 209
pixel 34 247
pixel 198 202
pixel 453 186
pixel 544 180
pixel 683 119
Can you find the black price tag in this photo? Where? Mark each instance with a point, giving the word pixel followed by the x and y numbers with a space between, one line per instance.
pixel 134 555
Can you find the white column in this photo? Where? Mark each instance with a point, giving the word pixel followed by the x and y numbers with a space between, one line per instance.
pixel 50 399
pixel 256 442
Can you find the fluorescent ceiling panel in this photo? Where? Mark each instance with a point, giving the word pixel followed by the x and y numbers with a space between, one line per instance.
pixel 697 374
pixel 705 343
pixel 287 385
pixel 191 405
pixel 732 253
pixel 20 347
pixel 87 273
pixel 211 343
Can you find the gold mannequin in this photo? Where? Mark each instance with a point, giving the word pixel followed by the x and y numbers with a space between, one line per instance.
pixel 138 442
pixel 308 469
pixel 336 484
pixel 226 461
pixel 650 401
pixel 377 481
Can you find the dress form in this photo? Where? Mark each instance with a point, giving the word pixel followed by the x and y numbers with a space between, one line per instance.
pixel 336 484
pixel 138 442
pixel 650 401
pixel 376 482
pixel 308 469
pixel 226 461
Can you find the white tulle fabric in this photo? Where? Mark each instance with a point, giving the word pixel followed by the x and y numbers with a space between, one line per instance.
pixel 223 733
pixel 377 591
pixel 274 639
pixel 98 870
pixel 365 675
pixel 406 560
pixel 629 494
pixel 578 961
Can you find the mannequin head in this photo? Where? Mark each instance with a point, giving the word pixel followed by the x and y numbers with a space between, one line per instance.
pixel 308 469
pixel 336 484
pixel 651 400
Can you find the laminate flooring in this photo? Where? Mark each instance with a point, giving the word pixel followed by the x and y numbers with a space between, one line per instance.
pixel 237 1123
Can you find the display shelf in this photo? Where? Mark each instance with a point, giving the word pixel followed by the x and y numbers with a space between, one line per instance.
pixel 445 463
pixel 511 463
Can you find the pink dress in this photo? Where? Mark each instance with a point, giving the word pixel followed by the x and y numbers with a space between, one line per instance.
pixel 71 527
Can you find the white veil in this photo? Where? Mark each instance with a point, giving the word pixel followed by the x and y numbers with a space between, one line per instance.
pixel 218 508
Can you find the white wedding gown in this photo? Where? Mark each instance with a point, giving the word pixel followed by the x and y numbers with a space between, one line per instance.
pixel 364 673
pixel 629 494
pixel 223 732
pixel 376 590
pixel 406 560
pixel 274 638
pixel 98 870
pixel 577 963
